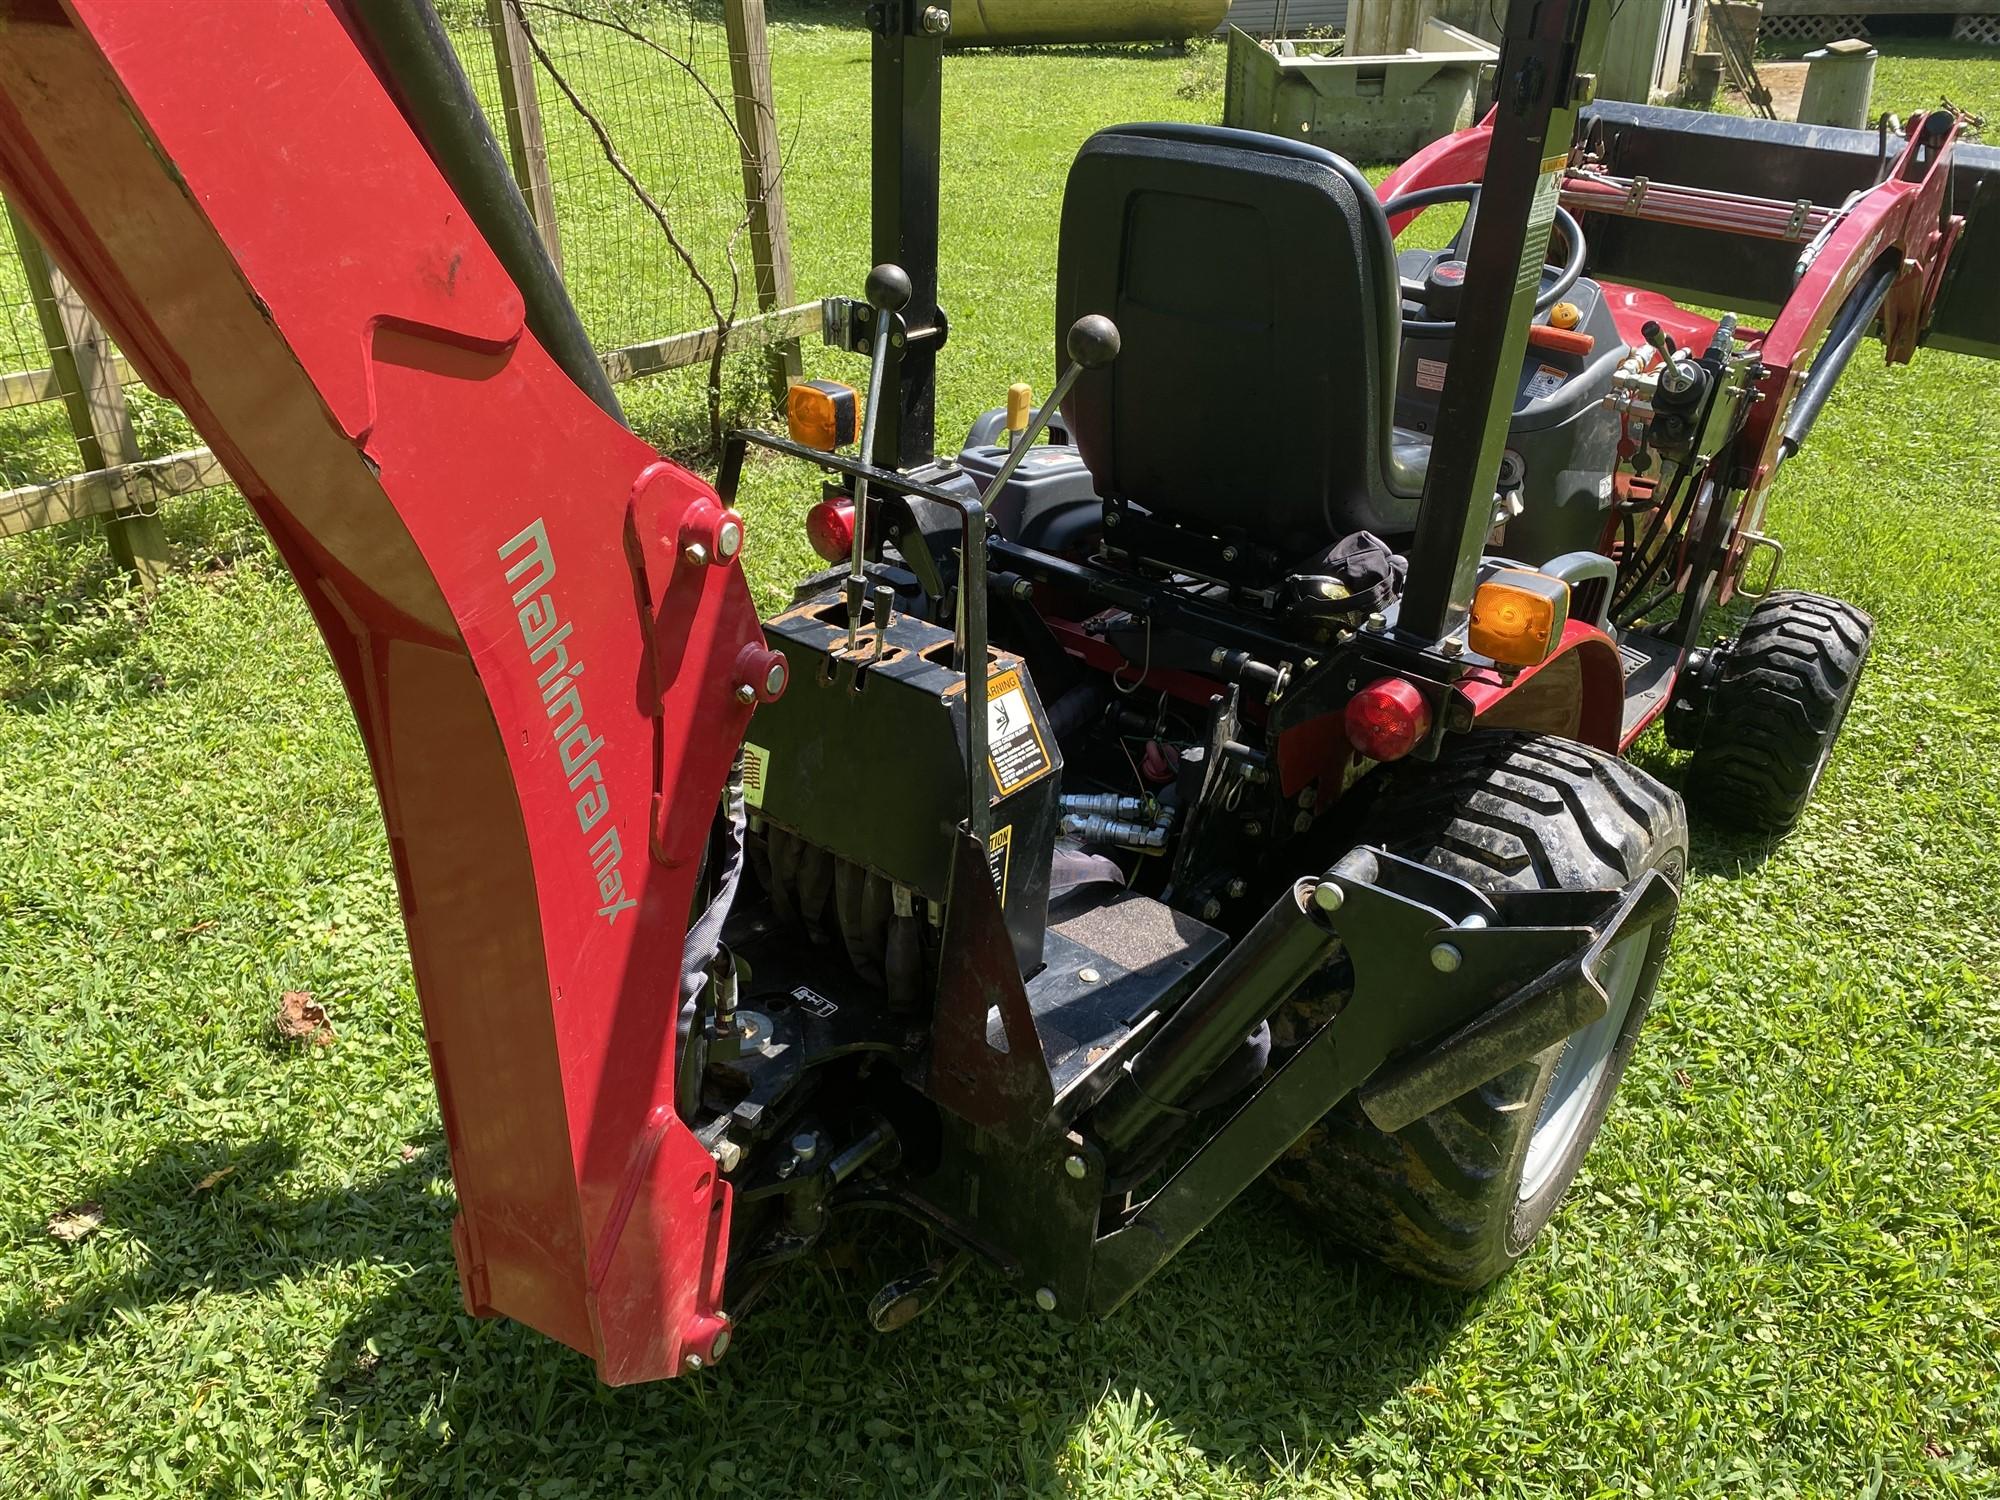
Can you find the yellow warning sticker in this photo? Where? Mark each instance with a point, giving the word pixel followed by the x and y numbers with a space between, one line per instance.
pixel 1014 746
pixel 998 847
pixel 756 773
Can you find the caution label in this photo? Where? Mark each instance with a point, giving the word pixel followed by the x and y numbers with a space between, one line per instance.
pixel 1541 218
pixel 1014 746
pixel 756 773
pixel 1430 374
pixel 998 848
pixel 1546 381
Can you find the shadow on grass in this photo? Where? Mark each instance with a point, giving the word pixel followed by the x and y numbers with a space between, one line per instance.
pixel 1260 1361
pixel 240 1232
pixel 1253 1346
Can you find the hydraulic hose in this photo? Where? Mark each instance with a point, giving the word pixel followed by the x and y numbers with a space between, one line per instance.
pixel 1843 337
pixel 424 77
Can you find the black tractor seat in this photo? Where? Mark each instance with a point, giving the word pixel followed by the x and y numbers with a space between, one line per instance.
pixel 1255 284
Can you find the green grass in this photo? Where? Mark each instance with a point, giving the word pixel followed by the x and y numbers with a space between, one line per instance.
pixel 1779 1273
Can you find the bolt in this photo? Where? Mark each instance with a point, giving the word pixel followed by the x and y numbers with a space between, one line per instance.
pixel 747 693
pixel 1253 829
pixel 1327 896
pixel 728 539
pixel 1229 554
pixel 1302 822
pixel 728 1155
pixel 1377 622
pixel 775 679
pixel 1077 1167
pixel 1024 588
pixel 694 554
pixel 693 1361
pixel 936 20
pixel 1238 888
pixel 1218 656
pixel 1446 959
pixel 1045 1298
pixel 1088 976
pixel 1452 646
pixel 805 1146
pixel 720 1345
pixel 1211 909
pixel 1111 517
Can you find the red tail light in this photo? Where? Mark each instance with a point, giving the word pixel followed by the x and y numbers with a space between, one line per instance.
pixel 1387 719
pixel 830 529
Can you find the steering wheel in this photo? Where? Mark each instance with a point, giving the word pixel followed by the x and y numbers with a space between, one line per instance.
pixel 1468 194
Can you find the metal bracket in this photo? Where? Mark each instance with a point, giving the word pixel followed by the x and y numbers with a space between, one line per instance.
pixel 1518 966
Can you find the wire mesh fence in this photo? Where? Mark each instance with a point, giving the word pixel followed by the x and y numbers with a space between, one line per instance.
pixel 640 131
pixel 649 82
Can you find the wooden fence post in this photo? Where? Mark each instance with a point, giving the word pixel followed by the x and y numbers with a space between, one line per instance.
pixel 527 147
pixel 763 169
pixel 87 375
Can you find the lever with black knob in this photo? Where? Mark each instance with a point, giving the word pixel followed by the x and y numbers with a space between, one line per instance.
pixel 888 293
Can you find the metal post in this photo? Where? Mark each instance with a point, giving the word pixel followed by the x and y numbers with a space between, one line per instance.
pixel 1546 54
pixel 87 376
pixel 908 124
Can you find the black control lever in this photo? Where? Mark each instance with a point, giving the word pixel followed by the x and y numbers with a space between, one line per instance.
pixel 888 293
pixel 1092 343
pixel 1678 375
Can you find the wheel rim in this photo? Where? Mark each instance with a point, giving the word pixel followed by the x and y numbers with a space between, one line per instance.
pixel 1580 1071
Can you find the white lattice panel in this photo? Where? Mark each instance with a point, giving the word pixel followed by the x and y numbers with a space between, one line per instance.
pixel 1985 30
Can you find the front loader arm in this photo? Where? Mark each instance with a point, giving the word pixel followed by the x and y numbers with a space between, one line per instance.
pixel 550 679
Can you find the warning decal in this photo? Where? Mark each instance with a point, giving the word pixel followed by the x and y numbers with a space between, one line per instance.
pixel 1541 218
pixel 1430 374
pixel 1013 739
pixel 1546 381
pixel 997 849
pixel 756 772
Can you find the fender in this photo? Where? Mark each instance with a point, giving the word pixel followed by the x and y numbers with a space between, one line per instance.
pixel 1578 692
pixel 550 682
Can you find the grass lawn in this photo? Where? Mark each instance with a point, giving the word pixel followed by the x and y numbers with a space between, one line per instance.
pixel 1778 1274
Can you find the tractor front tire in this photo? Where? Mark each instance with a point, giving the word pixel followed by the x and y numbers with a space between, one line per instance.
pixel 1775 701
pixel 1458 1196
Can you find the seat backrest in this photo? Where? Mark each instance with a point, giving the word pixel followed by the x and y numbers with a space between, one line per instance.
pixel 1253 280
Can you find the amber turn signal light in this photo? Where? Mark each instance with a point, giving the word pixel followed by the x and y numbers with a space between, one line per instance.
pixel 1518 616
pixel 822 414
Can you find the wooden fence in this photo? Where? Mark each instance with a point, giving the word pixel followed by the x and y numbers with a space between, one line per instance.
pixel 87 375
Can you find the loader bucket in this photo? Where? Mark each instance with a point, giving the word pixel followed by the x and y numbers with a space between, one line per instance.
pixel 1782 160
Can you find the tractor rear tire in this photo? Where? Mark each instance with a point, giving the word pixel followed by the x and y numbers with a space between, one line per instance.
pixel 1458 1196
pixel 1777 697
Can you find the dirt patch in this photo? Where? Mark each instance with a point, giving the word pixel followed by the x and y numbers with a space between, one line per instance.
pixel 1785 80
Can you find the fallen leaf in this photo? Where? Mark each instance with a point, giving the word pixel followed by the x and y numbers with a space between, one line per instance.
pixel 74 1225
pixel 1684 1078
pixel 301 1018
pixel 214 1177
pixel 411 1153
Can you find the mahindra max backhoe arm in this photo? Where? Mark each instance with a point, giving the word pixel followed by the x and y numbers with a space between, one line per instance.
pixel 542 627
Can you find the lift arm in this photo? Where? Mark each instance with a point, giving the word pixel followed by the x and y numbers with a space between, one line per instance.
pixel 550 675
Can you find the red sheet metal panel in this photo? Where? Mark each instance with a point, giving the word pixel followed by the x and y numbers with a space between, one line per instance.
pixel 498 569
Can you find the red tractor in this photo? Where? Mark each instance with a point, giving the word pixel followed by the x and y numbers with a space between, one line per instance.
pixel 1227 786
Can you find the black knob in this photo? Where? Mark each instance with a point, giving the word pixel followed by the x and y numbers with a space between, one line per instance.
pixel 889 288
pixel 1093 341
